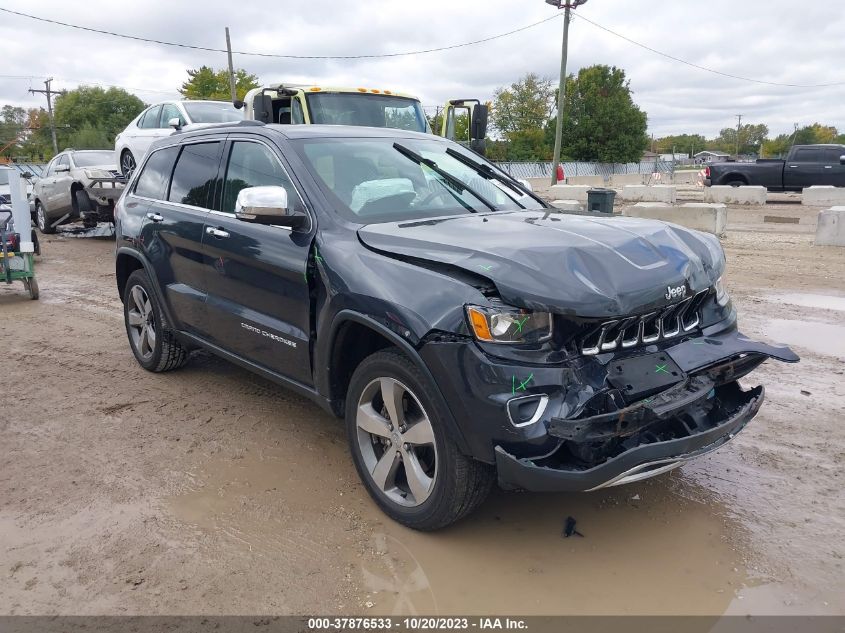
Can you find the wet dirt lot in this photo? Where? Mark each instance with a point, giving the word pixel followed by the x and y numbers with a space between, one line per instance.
pixel 209 490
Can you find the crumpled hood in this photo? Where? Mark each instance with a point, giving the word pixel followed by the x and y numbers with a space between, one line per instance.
pixel 569 264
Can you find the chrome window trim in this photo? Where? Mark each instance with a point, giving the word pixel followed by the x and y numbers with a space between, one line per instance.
pixel 136 175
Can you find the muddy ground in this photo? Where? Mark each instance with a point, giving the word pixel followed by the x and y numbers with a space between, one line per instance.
pixel 209 490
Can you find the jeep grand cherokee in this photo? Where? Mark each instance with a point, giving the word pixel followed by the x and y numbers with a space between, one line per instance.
pixel 464 330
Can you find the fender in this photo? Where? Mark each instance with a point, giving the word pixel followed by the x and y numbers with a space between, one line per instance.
pixel 148 267
pixel 323 355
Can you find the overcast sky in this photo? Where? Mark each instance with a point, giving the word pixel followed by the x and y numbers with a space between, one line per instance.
pixel 786 41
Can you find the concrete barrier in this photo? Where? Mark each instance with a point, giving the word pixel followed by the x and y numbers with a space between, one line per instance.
pixel 568 205
pixel 686 177
pixel 569 192
pixel 830 230
pixel 821 196
pixel 643 193
pixel 592 181
pixel 735 195
pixel 617 181
pixel 709 217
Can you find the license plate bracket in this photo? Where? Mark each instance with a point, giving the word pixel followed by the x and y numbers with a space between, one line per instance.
pixel 641 376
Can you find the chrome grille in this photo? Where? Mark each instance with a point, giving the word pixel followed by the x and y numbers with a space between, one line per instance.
pixel 645 329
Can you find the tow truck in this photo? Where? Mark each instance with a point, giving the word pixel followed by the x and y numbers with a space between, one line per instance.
pixel 463 120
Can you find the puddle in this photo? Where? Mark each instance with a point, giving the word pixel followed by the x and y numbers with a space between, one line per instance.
pixel 818 337
pixel 645 549
pixel 823 302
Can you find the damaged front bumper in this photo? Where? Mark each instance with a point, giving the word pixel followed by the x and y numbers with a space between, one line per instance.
pixel 608 420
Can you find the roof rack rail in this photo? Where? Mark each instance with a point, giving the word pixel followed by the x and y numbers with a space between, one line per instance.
pixel 191 127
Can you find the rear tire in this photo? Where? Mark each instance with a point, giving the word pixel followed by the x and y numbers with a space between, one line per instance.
pixel 153 343
pixel 403 453
pixel 736 183
pixel 127 163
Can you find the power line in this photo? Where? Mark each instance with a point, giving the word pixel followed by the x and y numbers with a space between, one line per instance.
pixel 704 68
pixel 252 54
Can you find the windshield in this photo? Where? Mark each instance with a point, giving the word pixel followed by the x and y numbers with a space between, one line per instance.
pixel 383 180
pixel 92 159
pixel 4 177
pixel 366 109
pixel 212 112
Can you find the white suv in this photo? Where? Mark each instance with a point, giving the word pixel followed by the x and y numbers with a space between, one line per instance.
pixel 161 120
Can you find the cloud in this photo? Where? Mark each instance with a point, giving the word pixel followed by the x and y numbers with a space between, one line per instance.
pixel 771 40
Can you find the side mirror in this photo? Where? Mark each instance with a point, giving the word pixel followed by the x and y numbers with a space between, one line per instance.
pixel 480 114
pixel 526 184
pixel 842 160
pixel 62 168
pixel 268 205
pixel 175 123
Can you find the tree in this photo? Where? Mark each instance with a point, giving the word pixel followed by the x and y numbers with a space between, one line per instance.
pixel 92 108
pixel 601 121
pixel 807 135
pixel 751 139
pixel 526 105
pixel 680 143
pixel 207 83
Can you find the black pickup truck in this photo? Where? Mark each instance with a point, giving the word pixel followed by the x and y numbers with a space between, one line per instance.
pixel 805 166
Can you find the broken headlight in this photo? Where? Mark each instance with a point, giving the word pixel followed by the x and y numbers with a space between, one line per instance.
pixel 503 324
pixel 722 296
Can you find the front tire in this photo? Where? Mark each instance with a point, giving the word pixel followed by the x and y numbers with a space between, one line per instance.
pixel 400 446
pixel 42 221
pixel 153 343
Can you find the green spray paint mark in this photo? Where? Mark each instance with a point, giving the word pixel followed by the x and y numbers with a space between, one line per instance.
pixel 522 383
pixel 487 267
pixel 661 369
pixel 519 324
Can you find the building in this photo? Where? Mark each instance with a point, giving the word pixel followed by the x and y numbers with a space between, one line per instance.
pixel 710 157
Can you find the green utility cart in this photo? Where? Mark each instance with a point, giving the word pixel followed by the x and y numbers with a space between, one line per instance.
pixel 16 266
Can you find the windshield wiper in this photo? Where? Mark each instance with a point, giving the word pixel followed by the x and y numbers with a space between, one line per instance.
pixel 456 182
pixel 489 172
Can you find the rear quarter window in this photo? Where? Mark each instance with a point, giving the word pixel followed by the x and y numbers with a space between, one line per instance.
pixel 155 174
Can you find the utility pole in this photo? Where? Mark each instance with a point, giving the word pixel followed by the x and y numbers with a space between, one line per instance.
pixel 50 94
pixel 568 5
pixel 738 128
pixel 231 68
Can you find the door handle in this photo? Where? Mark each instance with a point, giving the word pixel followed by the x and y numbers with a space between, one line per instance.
pixel 793 166
pixel 216 232
pixel 155 217
pixel 828 166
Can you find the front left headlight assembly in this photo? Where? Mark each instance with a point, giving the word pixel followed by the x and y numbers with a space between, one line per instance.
pixel 504 324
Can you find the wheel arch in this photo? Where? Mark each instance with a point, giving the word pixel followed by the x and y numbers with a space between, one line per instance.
pixel 733 176
pixel 128 261
pixel 352 338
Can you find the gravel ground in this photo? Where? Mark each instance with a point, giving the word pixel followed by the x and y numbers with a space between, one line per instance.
pixel 209 490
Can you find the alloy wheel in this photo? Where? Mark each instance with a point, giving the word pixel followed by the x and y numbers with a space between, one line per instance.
pixel 396 440
pixel 141 322
pixel 127 163
pixel 40 218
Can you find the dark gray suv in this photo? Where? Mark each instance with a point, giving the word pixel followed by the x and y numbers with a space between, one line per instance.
pixel 464 330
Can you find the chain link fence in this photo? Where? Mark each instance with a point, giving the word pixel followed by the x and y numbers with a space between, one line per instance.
pixel 605 170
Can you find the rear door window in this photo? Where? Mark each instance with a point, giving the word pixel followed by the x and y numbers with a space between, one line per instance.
pixel 155 175
pixel 150 119
pixel 195 175
pixel 808 155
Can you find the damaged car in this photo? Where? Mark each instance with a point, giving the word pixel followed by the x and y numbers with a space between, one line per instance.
pixel 466 332
pixel 77 185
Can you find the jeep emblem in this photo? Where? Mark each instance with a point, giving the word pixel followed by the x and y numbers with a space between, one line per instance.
pixel 678 292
